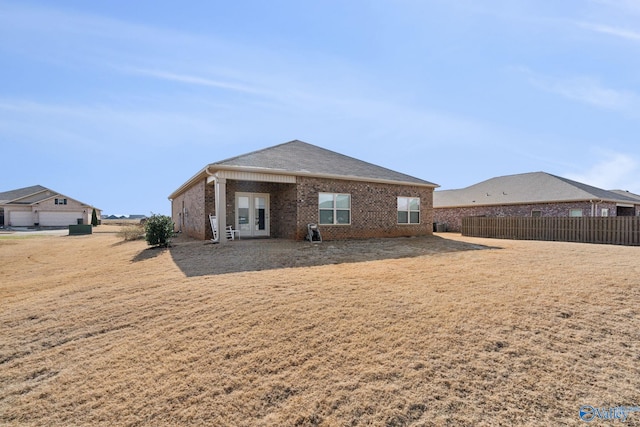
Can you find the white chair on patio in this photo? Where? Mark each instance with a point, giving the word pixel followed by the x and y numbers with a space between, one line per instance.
pixel 214 228
pixel 231 233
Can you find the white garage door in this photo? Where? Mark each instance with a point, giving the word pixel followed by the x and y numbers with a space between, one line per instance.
pixel 59 219
pixel 20 219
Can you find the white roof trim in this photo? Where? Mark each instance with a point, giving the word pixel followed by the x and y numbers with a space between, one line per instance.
pixel 219 168
pixel 240 175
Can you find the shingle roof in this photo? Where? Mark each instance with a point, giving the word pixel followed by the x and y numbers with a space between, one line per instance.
pixel 297 157
pixel 8 196
pixel 30 195
pixel 627 194
pixel 534 187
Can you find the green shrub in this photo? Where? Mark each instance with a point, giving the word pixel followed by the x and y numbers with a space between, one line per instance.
pixel 158 230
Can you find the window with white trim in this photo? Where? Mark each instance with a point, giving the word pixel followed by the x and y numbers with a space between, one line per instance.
pixel 604 212
pixel 575 212
pixel 61 201
pixel 334 208
pixel 408 210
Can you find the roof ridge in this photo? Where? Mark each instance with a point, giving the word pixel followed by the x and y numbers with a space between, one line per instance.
pixel 349 165
pixel 256 151
pixel 587 187
pixel 529 187
pixel 497 178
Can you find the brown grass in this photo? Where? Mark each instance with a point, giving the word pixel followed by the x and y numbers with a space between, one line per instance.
pixel 97 331
pixel 131 232
pixel 121 221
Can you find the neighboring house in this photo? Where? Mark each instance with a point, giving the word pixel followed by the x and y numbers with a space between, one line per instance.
pixel 129 217
pixel 530 194
pixel 278 191
pixel 38 206
pixel 137 217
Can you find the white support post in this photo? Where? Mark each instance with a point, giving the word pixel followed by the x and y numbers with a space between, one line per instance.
pixel 221 208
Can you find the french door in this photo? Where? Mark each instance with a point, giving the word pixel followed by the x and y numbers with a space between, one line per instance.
pixel 252 214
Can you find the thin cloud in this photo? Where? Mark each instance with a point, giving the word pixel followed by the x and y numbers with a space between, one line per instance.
pixel 59 23
pixel 613 31
pixel 75 124
pixel 590 91
pixel 626 6
pixel 37 108
pixel 615 171
pixel 587 90
pixel 195 80
pixel 272 83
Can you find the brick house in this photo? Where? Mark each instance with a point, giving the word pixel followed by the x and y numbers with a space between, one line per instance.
pixel 278 191
pixel 38 206
pixel 530 194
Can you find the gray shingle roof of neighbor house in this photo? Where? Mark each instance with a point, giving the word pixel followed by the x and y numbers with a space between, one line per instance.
pixel 627 194
pixel 534 187
pixel 31 195
pixel 8 196
pixel 301 158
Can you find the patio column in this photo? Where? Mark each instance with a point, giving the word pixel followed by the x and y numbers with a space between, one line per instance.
pixel 221 208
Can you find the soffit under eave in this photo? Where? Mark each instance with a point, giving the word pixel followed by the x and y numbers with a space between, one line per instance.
pixel 267 175
pixel 241 175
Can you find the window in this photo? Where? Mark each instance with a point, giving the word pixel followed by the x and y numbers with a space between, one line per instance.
pixel 334 208
pixel 536 213
pixel 604 212
pixel 575 212
pixel 61 201
pixel 408 210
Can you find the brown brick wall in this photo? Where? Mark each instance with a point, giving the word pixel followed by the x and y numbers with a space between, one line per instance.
pixel 373 209
pixel 193 219
pixel 452 217
pixel 282 201
pixel 293 206
pixel 199 201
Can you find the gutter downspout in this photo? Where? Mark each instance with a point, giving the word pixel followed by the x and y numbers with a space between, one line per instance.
pixel 594 206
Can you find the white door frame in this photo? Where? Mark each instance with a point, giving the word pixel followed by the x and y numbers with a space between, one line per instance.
pixel 248 225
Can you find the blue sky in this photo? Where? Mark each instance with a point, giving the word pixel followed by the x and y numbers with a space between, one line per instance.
pixel 118 103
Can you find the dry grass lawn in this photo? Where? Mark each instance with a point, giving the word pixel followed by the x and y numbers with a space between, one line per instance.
pixel 97 331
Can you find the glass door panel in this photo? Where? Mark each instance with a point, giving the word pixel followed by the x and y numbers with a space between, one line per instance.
pixel 260 213
pixel 243 223
pixel 252 214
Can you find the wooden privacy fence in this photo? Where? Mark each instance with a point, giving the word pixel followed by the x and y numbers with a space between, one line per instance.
pixel 623 230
